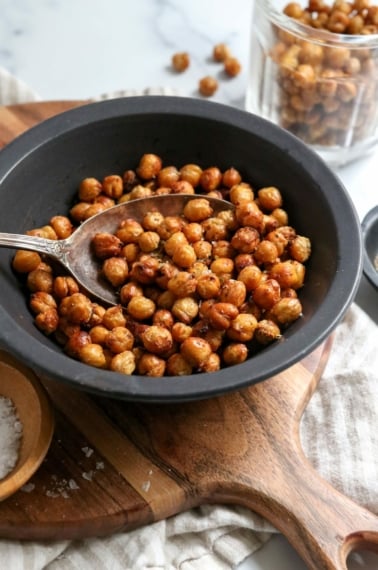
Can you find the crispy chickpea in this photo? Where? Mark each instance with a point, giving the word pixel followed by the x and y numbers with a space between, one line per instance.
pixel 195 350
pixel 193 232
pixel 92 210
pixel 222 266
pixel 234 353
pixel 98 334
pixel 214 337
pixel 169 226
pixel 167 176
pixel 163 318
pixel 281 216
pixel 176 240
pixel 149 166
pixel 129 231
pixel 148 241
pixel 267 331
pixel 152 220
pixel 141 308
pixel 240 193
pixel 198 209
pixel 166 300
pixel 106 245
pixel 267 293
pixel 266 252
pixel 76 307
pixel 245 240
pixel 180 61
pixel 157 340
pixel 300 248
pixel 279 240
pixel 183 284
pixel 137 192
pixel 184 256
pixel 76 342
pixel 129 290
pixel 288 273
pixel 89 189
pixel 185 309
pixel 182 187
pixel 285 311
pixel 114 317
pixel 270 198
pixel 40 280
pixel 207 86
pixel 145 270
pixel 180 331
pixel 250 276
pixel 47 232
pixel 208 285
pixel 214 229
pixel 116 270
pixel 210 178
pixel 222 248
pixel 177 365
pixel 112 186
pixel 123 363
pixel 93 355
pixel 229 219
pixel 211 364
pixel 191 173
pixel 242 328
pixel 220 315
pixel 198 268
pixel 62 226
pixel 249 214
pixel 130 252
pixel 231 177
pixel 25 261
pixel 151 365
pixel 232 66
pixel 243 260
pixel 233 291
pixel 47 321
pixel 41 301
pixel 221 52
pixel 202 249
pixel 119 339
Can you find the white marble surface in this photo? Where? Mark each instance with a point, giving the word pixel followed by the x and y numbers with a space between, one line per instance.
pixel 74 49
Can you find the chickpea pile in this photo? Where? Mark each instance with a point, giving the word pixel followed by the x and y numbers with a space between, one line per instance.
pixel 197 292
pixel 328 94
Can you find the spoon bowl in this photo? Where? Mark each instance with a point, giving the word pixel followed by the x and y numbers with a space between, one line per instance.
pixel 75 252
pixel 370 238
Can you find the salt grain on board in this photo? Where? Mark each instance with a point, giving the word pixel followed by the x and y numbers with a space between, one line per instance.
pixel 10 436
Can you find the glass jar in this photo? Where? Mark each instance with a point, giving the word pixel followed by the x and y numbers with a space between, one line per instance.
pixel 320 85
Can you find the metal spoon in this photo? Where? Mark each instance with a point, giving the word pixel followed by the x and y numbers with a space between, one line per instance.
pixel 75 254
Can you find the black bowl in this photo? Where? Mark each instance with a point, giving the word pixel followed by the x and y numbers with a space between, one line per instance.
pixel 39 175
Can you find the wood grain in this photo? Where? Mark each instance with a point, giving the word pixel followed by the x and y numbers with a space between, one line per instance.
pixel 115 465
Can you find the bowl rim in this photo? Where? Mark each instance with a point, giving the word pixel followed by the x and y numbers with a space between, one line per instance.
pixel 179 388
pixel 370 219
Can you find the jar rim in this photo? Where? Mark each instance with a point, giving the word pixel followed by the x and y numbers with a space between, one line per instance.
pixel 324 37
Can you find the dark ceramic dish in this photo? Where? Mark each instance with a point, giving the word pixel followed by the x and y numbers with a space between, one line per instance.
pixel 370 237
pixel 39 175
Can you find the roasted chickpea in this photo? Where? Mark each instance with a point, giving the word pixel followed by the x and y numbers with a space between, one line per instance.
pixel 270 198
pixel 193 232
pixel 286 310
pixel 220 315
pixel 169 226
pixel 221 52
pixel 267 293
pixel 177 365
pixel 41 301
pixel 266 252
pixel 214 229
pixel 138 192
pixel 114 317
pixel 222 248
pixel 149 166
pixel 166 300
pixel 149 241
pixel 207 86
pixel 180 61
pixel 182 187
pixel 145 270
pixel 89 189
pixel 163 318
pixel 191 173
pixel 123 363
pixel 141 308
pixel 233 291
pixel 176 240
pixel 151 365
pixel 230 177
pixel 181 331
pixel 208 285
pixel 242 328
pixel 129 290
pixel 240 193
pixel 62 226
pixel 129 231
pixel 98 334
pixel 234 353
pixel 106 245
pixel 232 66
pixel 183 284
pixel 250 276
pixel 198 209
pixel 267 331
pixel 76 342
pixel 112 186
pixel 93 355
pixel 211 364
pixel 25 261
pixel 119 339
pixel 288 273
pixel 202 249
pixel 116 270
pixel 222 266
pixel 167 176
pixel 195 350
pixel 210 178
pixel 245 240
pixel 47 321
pixel 130 252
pixel 152 220
pixel 249 214
pixel 76 307
pixel 157 340
pixel 40 280
pixel 185 309
pixel 300 248
pixel 184 256
pixel 243 260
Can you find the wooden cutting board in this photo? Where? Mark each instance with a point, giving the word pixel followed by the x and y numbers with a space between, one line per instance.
pixel 114 466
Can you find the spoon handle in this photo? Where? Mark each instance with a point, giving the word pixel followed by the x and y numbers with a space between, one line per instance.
pixel 54 248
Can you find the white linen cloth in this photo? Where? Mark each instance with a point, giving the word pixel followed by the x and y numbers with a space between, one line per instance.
pixel 339 436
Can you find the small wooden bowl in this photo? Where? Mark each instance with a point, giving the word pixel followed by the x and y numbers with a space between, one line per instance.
pixel 19 383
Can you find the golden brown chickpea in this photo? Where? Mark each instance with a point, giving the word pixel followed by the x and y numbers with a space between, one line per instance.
pixel 149 166
pixel 116 270
pixel 288 273
pixel 249 214
pixel 40 280
pixel 183 284
pixel 145 270
pixel 233 291
pixel 195 350
pixel 267 293
pixel 193 232
pixel 198 268
pixel 129 231
pixel 210 178
pixel 222 248
pixel 152 220
pixel 180 331
pixel 207 86
pixel 211 364
pixel 198 209
pixel 93 355
pixel 240 193
pixel 267 331
pixel 89 189
pixel 270 198
pixel 105 201
pixel 41 301
pixel 245 240
pixel 222 266
pixel 208 285
pixel 141 308
pixel 250 276
pixel 76 342
pixel 112 186
pixel 157 340
pixel 119 339
pixel 231 177
pixel 180 61
pixel 176 240
pixel 234 353
pixel 25 261
pixel 93 210
pixel 149 241
pixel 47 321
pixel 167 176
pixel 232 66
pixel 177 365
pixel 166 300
pixel 191 173
pixel 242 328
pixel 293 10
pixel 300 248
pixel 77 308
pixel 163 318
pixel 129 290
pixel 47 232
pixel 229 219
pixel 285 311
pixel 243 260
pixel 106 245
pixel 114 317
pixel 130 252
pixel 185 309
pixel 184 256
pixel 182 187
pixel 281 216
pixel 266 252
pixel 123 363
pixel 214 229
pixel 221 52
pixel 98 311
pixel 214 338
pixel 220 315
pixel 62 226
pixel 151 365
pixel 202 249
pixel 98 334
